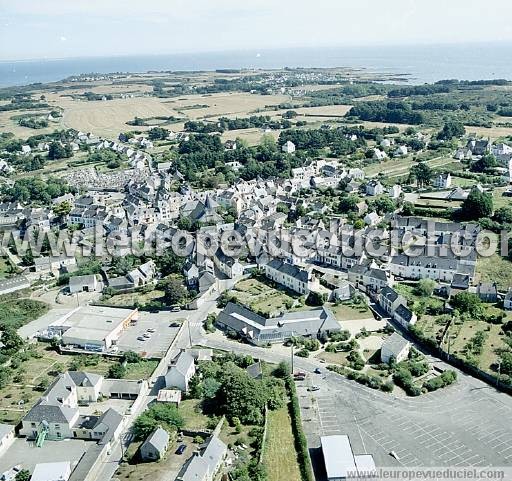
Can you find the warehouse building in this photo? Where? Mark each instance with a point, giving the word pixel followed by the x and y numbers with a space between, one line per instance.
pixel 93 328
pixel 340 461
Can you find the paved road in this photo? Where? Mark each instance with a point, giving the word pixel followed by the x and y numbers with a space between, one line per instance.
pixel 182 340
pixel 466 424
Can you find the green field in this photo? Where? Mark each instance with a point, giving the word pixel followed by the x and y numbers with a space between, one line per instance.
pixel 18 312
pixel 261 297
pixel 279 455
pixel 495 269
pixel 350 311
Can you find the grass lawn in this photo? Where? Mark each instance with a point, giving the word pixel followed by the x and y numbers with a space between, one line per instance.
pixel 334 357
pixel 128 299
pixel 190 409
pixel 140 370
pixel 280 457
pixel 350 311
pixel 499 200
pixel 432 326
pixel 495 269
pixel 462 333
pixel 261 297
pixel 18 312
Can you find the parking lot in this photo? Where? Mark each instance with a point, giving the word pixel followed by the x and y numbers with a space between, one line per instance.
pixel 466 425
pixel 158 342
pixel 25 453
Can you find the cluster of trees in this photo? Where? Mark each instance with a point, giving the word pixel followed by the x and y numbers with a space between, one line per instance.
pixel 427 89
pixel 224 123
pixel 320 138
pixel 382 111
pixel 112 159
pixel 166 416
pixel 477 205
pixel 36 190
pixel 227 389
pixel 450 130
pixel 33 122
pixel 58 150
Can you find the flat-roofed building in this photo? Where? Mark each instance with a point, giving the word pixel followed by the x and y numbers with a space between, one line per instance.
pixel 338 457
pixel 94 328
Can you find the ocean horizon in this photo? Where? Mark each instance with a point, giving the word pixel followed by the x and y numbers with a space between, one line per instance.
pixel 420 64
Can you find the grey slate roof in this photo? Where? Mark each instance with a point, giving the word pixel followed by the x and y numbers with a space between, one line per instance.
pixel 158 439
pixel 395 343
pixel 404 312
pixel 258 328
pixel 50 413
pixel 390 294
pixel 290 270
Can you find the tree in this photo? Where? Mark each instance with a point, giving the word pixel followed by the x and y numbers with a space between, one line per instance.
pixel 12 342
pixel 484 164
pixel 62 209
pixel 348 204
pixel 477 205
pixel 59 151
pixel 175 292
pixel 422 173
pixel 23 475
pixel 165 415
pixel 503 215
pixel 425 287
pixel 131 357
pixel 116 371
pixel 467 303
pixel 241 396
pixel 450 130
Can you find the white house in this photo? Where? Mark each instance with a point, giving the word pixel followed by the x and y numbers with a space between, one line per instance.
pixel 374 187
pixel 292 277
pixel 396 347
pixel 372 218
pixel 288 147
pixel 379 154
pixel 442 181
pixel 180 373
pixel 401 151
pixel 395 191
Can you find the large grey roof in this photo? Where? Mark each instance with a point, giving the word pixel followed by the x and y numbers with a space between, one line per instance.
pixel 290 270
pixel 50 413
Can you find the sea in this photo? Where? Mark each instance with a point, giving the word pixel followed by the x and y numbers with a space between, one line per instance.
pixel 420 63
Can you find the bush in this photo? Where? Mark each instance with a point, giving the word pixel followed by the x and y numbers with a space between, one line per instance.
pixel 301 444
pixel 445 379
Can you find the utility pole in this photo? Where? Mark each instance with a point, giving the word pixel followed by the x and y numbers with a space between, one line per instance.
pixel 189 334
pixel 292 359
pixel 499 374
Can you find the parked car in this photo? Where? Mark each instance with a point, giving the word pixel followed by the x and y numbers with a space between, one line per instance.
pixel 141 338
pixel 317 371
pixel 175 309
pixel 147 335
pixel 151 329
pixel 174 324
pixel 181 449
pixel 314 388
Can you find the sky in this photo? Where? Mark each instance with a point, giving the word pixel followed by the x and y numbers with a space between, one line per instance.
pixel 36 29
